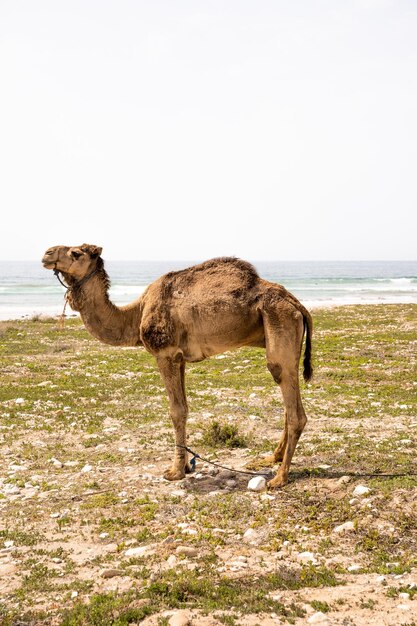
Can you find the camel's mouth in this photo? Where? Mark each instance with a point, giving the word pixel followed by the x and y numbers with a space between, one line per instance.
pixel 49 265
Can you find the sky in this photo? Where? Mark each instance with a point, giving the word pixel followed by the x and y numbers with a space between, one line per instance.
pixel 174 129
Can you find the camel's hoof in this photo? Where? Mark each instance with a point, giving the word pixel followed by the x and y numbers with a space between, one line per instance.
pixel 174 474
pixel 259 463
pixel 277 483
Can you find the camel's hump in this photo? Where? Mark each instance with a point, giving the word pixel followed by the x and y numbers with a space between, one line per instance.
pixel 227 267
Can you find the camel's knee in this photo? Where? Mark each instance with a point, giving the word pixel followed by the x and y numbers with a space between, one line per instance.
pixel 276 371
pixel 296 426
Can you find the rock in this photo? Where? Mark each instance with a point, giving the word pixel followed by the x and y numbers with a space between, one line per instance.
pixel 354 568
pixel 180 618
pixel 226 474
pixel 257 483
pixel 56 463
pixel 307 557
pixel 103 535
pixel 361 490
pixel 86 468
pixel 344 528
pixel 112 573
pixel 187 551
pixel 140 551
pixel 252 536
pixel 404 596
pixel 172 560
pixel 318 618
pixel 403 607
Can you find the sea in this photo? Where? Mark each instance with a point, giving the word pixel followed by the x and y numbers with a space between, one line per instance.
pixel 27 289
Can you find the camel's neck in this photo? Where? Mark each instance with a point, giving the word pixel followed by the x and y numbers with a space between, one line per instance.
pixel 103 319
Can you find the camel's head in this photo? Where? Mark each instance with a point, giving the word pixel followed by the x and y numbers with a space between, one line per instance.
pixel 78 261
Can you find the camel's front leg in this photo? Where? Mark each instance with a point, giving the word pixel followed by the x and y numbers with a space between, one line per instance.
pixel 172 372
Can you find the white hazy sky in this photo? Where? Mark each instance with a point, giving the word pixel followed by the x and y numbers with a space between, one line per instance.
pixel 173 129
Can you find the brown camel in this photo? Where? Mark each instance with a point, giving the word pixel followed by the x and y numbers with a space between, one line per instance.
pixel 189 315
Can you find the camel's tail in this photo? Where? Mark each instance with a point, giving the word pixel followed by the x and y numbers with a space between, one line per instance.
pixel 307 364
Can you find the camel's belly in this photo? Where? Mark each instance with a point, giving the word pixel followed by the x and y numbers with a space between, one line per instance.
pixel 203 340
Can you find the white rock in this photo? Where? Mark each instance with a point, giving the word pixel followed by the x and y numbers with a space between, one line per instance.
pixel 257 483
pixel 74 594
pixel 56 463
pixel 344 528
pixel 103 535
pixel 251 536
pixel 318 618
pixel 354 568
pixel 10 544
pixel 172 560
pixel 404 596
pixel 178 493
pixel 307 557
pixel 86 468
pixel 361 490
pixel 140 551
pixel 20 401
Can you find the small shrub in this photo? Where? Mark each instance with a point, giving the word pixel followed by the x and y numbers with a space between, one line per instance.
pixel 219 435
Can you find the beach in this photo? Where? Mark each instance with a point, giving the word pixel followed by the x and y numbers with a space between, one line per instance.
pixel 27 289
pixel 90 532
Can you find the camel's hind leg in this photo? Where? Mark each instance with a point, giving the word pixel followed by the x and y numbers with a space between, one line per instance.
pixel 173 374
pixel 284 335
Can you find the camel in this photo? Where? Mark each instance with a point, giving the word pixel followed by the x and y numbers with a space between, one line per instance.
pixel 189 315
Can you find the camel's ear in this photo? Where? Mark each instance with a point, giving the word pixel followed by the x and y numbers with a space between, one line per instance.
pixel 93 251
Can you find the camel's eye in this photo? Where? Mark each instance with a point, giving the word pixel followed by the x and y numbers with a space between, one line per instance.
pixel 76 255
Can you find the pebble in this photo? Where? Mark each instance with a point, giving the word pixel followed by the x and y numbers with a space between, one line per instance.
pixel 172 560
pixel 354 568
pixel 140 551
pixel 404 596
pixel 307 557
pixel 186 551
pixel 343 528
pixel 56 462
pixel 86 468
pixel 361 490
pixel 318 618
pixel 257 483
pixel 251 536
